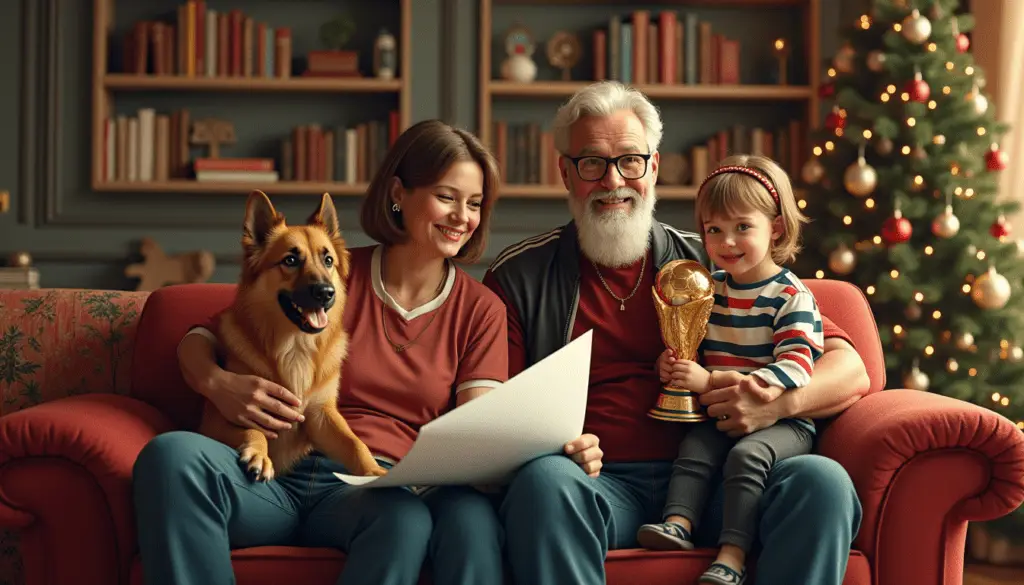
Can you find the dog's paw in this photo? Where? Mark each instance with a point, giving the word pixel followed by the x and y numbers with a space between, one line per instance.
pixel 257 463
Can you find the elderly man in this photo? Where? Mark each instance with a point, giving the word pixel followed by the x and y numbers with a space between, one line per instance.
pixel 562 514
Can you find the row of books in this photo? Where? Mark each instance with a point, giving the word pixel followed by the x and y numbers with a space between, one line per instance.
pixel 148 146
pixel 667 49
pixel 203 42
pixel 152 146
pixel 343 154
pixel 526 153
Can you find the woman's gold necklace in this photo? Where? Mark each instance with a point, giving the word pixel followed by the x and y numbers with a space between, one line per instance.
pixel 399 348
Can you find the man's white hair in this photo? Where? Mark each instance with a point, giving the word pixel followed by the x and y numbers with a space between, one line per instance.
pixel 604 98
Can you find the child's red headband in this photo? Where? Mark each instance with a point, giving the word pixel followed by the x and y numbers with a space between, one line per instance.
pixel 746 171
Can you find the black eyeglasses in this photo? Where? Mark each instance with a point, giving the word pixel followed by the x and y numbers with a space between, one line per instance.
pixel 594 168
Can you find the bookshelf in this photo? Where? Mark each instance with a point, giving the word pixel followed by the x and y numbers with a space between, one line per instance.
pixel 110 85
pixel 798 98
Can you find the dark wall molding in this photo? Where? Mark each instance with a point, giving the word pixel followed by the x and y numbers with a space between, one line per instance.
pixel 100 257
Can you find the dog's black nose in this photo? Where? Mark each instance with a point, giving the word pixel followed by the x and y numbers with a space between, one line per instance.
pixel 322 293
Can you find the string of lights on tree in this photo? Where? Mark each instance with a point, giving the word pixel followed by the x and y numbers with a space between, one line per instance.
pixel 902 193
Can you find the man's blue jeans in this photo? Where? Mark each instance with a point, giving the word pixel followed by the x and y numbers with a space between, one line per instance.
pixel 560 524
pixel 194 504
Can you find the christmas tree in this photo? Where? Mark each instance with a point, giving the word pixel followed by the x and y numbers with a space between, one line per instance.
pixel 902 193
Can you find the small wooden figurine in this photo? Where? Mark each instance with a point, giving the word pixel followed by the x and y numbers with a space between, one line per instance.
pixel 213 132
pixel 564 52
pixel 159 269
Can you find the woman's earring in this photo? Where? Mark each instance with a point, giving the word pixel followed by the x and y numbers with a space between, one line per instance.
pixel 395 207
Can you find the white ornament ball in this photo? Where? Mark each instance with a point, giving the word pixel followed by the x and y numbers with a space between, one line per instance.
pixel 979 101
pixel 842 260
pixel 915 379
pixel 876 61
pixel 946 224
pixel 860 178
pixel 1016 353
pixel 991 290
pixel 916 27
pixel 813 171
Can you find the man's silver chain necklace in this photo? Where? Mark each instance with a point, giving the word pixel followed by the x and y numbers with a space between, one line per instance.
pixel 636 287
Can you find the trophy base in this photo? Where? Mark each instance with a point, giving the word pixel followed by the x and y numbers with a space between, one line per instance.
pixel 677 406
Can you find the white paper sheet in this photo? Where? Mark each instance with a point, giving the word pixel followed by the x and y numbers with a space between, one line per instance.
pixel 487 439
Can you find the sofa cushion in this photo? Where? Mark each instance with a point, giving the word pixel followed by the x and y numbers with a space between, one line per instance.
pixel 170 312
pixel 271 565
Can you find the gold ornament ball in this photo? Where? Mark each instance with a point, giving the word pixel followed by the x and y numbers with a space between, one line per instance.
pixel 20 259
pixel 916 27
pixel 876 61
pixel 915 379
pixel 991 290
pixel 883 146
pixel 946 224
pixel 860 178
pixel 812 171
pixel 964 341
pixel 952 365
pixel 842 260
pixel 682 281
pixel 843 60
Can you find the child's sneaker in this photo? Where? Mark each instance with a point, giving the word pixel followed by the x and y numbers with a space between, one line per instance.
pixel 667 536
pixel 719 574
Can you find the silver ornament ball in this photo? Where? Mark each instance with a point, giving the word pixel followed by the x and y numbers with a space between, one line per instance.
pixel 979 101
pixel 860 178
pixel 946 224
pixel 964 341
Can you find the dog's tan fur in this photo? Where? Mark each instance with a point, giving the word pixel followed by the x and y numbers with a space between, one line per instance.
pixel 258 338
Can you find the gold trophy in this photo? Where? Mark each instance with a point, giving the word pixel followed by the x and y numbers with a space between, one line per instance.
pixel 683 297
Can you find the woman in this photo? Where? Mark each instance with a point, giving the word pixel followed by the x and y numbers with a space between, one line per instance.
pixel 424 335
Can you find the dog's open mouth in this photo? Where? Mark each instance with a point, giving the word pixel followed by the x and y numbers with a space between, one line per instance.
pixel 309 320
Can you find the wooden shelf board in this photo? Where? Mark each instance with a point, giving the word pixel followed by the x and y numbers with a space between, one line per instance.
pixel 235 188
pixel 131 82
pixel 708 3
pixel 558 192
pixel 656 91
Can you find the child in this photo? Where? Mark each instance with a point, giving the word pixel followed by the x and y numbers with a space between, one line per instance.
pixel 765 323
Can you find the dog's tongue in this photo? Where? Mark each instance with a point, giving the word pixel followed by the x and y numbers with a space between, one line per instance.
pixel 317 318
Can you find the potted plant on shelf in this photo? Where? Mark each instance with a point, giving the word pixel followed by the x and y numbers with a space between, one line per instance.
pixel 334 60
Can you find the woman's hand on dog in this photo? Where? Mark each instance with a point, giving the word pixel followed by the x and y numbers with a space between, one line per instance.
pixel 254 402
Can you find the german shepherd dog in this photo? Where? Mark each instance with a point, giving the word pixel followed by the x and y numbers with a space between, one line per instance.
pixel 285 325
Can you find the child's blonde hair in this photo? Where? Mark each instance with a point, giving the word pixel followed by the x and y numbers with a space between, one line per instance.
pixel 731 193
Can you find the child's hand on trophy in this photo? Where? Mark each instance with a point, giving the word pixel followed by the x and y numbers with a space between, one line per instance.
pixel 684 374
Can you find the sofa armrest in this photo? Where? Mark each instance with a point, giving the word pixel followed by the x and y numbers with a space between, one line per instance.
pixel 65 483
pixel 924 465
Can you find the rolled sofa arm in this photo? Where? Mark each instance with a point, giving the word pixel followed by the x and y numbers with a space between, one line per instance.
pixel 66 485
pixel 924 465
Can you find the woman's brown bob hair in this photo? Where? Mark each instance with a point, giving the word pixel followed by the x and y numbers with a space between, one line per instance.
pixel 419 158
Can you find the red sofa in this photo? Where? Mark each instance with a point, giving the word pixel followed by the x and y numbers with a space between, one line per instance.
pixel 923 465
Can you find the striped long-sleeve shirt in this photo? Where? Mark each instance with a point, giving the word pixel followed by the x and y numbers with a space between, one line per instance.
pixel 770 329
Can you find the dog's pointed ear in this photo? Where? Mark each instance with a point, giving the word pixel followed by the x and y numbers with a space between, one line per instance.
pixel 260 219
pixel 327 216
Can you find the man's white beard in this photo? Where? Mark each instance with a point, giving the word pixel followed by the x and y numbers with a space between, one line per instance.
pixel 614 238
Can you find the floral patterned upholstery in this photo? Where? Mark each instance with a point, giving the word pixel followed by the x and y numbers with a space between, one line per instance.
pixel 56 343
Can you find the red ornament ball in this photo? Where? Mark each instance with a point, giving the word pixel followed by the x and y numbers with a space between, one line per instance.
pixel 835 120
pixel 918 90
pixel 995 159
pixel 1000 229
pixel 896 230
pixel 827 90
pixel 962 43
